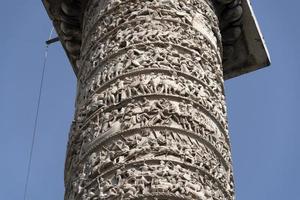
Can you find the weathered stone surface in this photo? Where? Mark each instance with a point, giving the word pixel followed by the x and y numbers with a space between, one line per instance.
pixel 244 50
pixel 150 120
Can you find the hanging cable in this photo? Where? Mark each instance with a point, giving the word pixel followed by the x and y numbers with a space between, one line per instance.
pixel 36 116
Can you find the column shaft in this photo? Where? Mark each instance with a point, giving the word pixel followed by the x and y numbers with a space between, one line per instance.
pixel 150 116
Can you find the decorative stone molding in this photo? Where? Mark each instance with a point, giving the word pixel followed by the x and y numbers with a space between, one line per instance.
pixel 244 49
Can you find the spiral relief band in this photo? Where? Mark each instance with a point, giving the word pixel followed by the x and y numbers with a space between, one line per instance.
pixel 150 120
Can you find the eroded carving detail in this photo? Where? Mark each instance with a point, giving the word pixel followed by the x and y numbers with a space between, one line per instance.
pixel 150 117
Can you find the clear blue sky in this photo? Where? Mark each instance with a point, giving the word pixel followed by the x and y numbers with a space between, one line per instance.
pixel 263 107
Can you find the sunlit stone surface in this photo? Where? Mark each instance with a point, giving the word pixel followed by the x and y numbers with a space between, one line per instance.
pixel 150 120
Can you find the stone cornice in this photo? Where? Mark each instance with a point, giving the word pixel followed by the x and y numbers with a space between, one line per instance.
pixel 244 49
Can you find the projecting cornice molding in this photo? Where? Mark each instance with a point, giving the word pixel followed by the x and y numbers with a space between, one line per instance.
pixel 244 49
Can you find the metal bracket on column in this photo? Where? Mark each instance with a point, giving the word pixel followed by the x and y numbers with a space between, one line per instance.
pixel 53 40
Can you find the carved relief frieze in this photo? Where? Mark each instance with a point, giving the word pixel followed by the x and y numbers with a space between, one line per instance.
pixel 161 85
pixel 152 178
pixel 155 113
pixel 146 33
pixel 106 17
pixel 150 120
pixel 153 57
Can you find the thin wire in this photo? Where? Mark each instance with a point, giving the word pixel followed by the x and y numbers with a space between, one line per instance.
pixel 36 117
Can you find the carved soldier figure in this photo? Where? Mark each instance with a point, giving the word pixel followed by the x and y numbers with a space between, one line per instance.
pixel 141 183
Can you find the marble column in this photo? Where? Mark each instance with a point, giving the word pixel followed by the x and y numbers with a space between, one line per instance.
pixel 150 119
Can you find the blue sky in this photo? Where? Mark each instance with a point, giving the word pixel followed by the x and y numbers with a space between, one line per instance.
pixel 263 107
